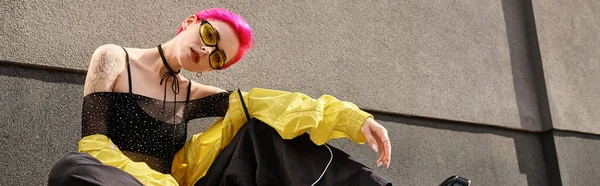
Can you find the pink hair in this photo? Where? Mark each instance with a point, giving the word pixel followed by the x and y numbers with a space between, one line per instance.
pixel 239 25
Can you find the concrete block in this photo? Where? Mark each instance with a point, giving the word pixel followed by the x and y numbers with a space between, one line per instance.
pixel 578 158
pixel 570 53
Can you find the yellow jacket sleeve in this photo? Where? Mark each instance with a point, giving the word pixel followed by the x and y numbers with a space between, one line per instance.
pixel 290 114
pixel 101 147
pixel 293 113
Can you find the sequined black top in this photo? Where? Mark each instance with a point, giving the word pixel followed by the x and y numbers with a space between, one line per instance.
pixel 142 128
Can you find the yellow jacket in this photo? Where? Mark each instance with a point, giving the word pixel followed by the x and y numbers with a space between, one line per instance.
pixel 290 114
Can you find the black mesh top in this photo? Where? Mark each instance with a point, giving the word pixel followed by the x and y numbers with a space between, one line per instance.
pixel 142 128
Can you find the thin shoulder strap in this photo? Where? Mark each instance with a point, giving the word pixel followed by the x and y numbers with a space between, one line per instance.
pixel 244 105
pixel 128 69
pixel 187 99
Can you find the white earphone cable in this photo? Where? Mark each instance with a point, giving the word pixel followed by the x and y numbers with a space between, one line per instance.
pixel 330 160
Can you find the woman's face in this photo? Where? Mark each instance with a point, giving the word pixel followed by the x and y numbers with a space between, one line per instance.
pixel 193 54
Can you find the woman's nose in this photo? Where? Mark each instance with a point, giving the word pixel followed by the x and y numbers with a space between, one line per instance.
pixel 207 49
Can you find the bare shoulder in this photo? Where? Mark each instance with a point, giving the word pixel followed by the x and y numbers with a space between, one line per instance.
pixel 106 63
pixel 106 53
pixel 199 90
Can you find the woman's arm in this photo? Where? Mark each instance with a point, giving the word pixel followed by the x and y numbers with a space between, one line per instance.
pixel 293 113
pixel 104 69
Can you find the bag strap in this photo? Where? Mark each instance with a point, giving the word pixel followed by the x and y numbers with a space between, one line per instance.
pixel 244 105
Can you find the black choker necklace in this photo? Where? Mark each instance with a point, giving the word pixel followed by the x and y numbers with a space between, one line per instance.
pixel 165 77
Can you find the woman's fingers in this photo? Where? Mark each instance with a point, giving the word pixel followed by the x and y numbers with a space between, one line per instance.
pixel 381 150
pixel 385 144
pixel 379 141
pixel 373 143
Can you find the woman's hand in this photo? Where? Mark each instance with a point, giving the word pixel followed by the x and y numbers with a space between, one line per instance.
pixel 377 137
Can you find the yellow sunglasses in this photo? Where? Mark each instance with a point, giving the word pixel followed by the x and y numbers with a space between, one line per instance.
pixel 210 37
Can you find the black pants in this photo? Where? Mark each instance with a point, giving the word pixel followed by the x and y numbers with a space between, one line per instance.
pixel 258 155
pixel 78 168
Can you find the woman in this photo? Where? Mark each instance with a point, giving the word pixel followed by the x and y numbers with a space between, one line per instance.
pixel 136 107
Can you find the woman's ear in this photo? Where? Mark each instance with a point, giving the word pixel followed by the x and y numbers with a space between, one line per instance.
pixel 189 21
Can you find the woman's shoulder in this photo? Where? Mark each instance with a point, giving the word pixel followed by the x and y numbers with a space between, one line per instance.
pixel 108 47
pixel 108 54
pixel 199 90
pixel 104 68
pixel 108 51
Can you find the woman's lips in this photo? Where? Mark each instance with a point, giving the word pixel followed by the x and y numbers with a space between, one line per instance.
pixel 194 55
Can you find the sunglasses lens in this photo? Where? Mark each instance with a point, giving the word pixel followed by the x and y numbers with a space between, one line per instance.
pixel 216 60
pixel 208 34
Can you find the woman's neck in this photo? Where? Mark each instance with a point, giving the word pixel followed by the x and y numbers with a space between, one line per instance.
pixel 151 59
